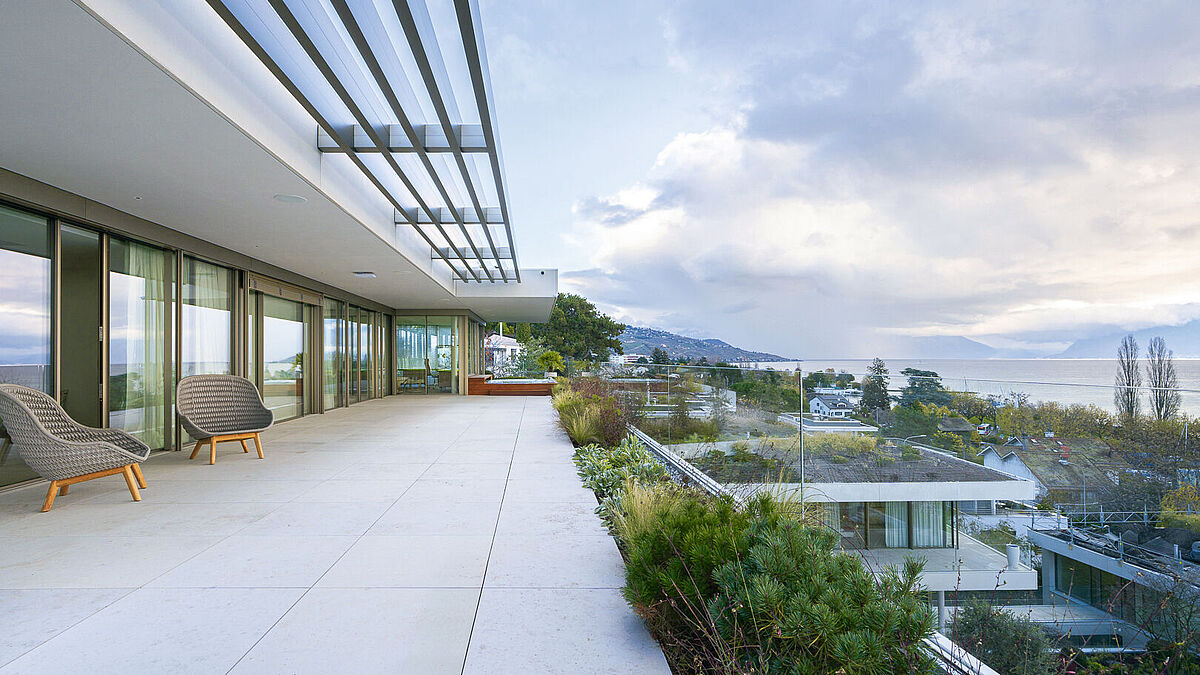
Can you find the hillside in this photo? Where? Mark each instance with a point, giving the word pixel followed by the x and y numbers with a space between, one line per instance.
pixel 643 341
pixel 1183 339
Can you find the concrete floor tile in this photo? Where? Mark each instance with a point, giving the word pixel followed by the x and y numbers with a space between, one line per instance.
pixel 532 490
pixel 577 561
pixel 411 561
pixel 573 632
pixel 263 561
pixel 46 612
pixel 425 516
pixel 380 630
pixel 317 518
pixel 163 631
pixel 549 519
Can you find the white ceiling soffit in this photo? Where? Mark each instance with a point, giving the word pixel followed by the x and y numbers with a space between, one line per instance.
pixel 86 112
pixel 404 94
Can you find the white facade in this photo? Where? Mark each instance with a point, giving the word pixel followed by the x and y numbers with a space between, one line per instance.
pixel 823 405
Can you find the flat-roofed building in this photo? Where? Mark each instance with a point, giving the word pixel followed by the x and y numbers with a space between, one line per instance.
pixel 308 194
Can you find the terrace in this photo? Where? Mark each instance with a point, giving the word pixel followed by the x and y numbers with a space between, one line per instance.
pixel 416 534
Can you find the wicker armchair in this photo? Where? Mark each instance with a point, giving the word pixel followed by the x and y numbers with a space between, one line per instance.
pixel 218 408
pixel 63 451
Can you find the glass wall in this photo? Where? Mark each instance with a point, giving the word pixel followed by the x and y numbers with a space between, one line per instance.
pixel 411 366
pixel 25 310
pixel 283 351
pixel 334 345
pixel 140 373
pixel 443 353
pixel 366 355
pixel 206 318
pixel 892 524
pixel 81 302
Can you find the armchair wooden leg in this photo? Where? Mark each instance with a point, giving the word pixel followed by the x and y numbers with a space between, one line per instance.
pixel 63 490
pixel 50 495
pixel 131 482
pixel 245 448
pixel 196 449
pixel 258 444
pixel 212 451
pixel 137 473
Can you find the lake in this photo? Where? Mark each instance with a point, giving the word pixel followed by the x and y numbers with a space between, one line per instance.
pixel 1064 380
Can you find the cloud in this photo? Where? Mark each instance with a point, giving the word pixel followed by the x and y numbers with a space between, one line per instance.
pixel 1021 175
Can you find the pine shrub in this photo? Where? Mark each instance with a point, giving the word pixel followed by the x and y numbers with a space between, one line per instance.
pixel 794 604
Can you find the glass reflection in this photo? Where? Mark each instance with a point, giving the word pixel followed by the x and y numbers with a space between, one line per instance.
pixel 138 364
pixel 24 317
pixel 283 356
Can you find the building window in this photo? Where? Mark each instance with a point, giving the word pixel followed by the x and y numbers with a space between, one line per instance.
pixel 334 374
pixel 25 337
pixel 283 352
pixel 206 319
pixel 140 373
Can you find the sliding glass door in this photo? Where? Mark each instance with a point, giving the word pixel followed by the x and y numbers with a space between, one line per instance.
pixel 334 358
pixel 443 353
pixel 25 311
pixel 283 351
pixel 206 320
pixel 140 375
pixel 81 330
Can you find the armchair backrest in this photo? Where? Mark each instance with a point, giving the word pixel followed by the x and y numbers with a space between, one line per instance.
pixel 30 415
pixel 213 404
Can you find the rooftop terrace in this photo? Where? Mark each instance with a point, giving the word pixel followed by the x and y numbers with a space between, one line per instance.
pixel 411 534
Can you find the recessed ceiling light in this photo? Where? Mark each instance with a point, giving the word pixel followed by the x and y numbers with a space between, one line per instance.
pixel 365 275
pixel 290 199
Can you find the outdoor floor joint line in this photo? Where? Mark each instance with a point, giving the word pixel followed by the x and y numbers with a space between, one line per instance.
pixel 335 562
pixel 496 528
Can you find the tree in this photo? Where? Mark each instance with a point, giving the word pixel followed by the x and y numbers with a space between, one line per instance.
pixel 1162 380
pixel 551 361
pixel 1129 379
pixel 874 388
pixel 924 386
pixel 659 355
pixel 578 330
pixel 1000 639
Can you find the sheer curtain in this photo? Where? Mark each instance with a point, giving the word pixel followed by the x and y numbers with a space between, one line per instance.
pixel 207 311
pixel 139 304
pixel 928 530
pixel 896 524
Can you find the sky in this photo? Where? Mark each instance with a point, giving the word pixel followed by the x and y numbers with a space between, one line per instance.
pixel 825 180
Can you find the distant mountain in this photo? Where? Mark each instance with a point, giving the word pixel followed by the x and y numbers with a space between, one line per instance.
pixel 941 347
pixel 637 340
pixel 1183 339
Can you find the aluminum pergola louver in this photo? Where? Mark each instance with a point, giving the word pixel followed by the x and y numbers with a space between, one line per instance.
pixel 401 90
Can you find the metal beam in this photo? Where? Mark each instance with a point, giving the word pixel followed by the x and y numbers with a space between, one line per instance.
pixel 319 60
pixel 340 137
pixel 469 138
pixel 468 19
pixel 503 252
pixel 446 217
pixel 426 64
pixel 350 22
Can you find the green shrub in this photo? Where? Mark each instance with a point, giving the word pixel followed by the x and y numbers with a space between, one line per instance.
pixel 845 445
pixel 676 429
pixel 745 467
pixel 1008 644
pixel 673 548
pixel 794 604
pixel 741 446
pixel 606 470
pixel 582 424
